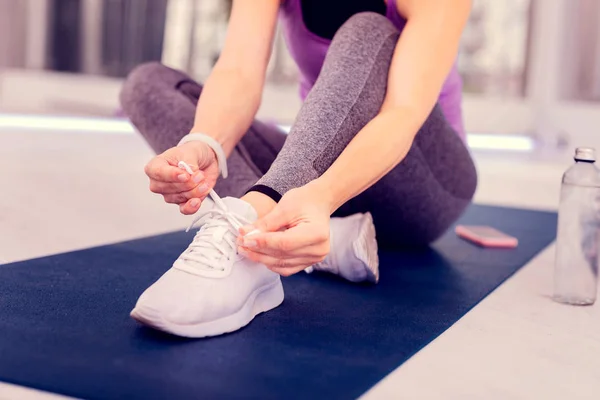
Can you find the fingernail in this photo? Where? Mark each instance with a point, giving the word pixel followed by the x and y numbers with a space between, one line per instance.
pixel 249 243
pixel 198 178
pixel 252 232
pixel 242 251
pixel 183 177
pixel 195 203
pixel 203 188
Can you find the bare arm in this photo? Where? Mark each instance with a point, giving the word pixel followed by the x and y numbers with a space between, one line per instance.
pixel 233 91
pixel 422 60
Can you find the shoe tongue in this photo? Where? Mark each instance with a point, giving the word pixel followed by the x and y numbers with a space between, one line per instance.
pixel 241 208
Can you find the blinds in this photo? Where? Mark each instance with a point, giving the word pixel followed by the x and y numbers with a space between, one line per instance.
pixel 133 32
pixel 107 37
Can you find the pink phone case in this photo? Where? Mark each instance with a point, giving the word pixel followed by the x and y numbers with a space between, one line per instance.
pixel 486 236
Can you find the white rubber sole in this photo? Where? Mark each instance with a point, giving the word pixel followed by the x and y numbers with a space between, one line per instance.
pixel 261 300
pixel 365 248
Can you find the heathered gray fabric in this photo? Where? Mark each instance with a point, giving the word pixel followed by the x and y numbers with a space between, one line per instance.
pixel 412 205
pixel 346 96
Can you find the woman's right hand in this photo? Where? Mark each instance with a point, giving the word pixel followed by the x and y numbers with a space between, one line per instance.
pixel 175 184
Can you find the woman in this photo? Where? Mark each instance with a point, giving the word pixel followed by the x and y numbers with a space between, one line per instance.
pixel 379 131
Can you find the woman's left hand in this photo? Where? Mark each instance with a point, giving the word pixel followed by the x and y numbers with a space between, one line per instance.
pixel 293 236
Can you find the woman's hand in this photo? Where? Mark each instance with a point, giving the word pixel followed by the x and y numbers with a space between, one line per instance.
pixel 176 185
pixel 293 236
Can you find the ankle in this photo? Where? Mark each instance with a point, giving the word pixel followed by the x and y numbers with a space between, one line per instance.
pixel 262 203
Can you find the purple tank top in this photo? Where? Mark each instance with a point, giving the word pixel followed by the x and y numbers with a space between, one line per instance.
pixel 308 51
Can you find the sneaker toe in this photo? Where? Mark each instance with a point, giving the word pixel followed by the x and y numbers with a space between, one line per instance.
pixel 182 298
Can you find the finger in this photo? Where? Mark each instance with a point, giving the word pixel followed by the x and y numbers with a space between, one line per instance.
pixel 289 271
pixel 199 192
pixel 190 207
pixel 181 198
pixel 272 222
pixel 319 250
pixel 282 264
pixel 175 198
pixel 164 169
pixel 159 169
pixel 171 187
pixel 300 240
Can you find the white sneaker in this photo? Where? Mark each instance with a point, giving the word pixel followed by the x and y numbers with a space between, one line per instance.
pixel 353 254
pixel 211 290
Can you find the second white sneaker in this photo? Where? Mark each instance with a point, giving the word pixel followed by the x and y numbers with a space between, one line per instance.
pixel 353 254
pixel 211 290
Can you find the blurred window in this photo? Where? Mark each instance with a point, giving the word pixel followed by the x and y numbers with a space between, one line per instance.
pixel 493 53
pixel 581 79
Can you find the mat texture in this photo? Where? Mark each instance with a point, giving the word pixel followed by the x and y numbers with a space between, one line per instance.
pixel 64 324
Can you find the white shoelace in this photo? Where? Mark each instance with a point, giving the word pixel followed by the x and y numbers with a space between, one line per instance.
pixel 214 245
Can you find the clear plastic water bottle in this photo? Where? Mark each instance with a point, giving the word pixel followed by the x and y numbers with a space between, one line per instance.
pixel 576 269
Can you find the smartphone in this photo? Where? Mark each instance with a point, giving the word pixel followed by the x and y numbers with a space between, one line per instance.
pixel 486 236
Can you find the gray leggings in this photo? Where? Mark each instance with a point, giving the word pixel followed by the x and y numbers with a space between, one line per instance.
pixel 413 204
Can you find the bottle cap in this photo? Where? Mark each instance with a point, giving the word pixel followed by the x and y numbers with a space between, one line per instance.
pixel 585 154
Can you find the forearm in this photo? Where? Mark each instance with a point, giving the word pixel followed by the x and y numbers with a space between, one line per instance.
pixel 227 106
pixel 373 152
pixel 422 60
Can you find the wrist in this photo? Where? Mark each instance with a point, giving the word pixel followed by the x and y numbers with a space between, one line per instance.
pixel 322 191
pixel 210 142
pixel 226 143
pixel 202 150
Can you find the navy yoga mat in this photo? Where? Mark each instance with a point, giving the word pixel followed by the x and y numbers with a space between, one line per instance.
pixel 64 324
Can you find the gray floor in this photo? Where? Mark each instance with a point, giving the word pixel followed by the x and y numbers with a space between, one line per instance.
pixel 65 191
